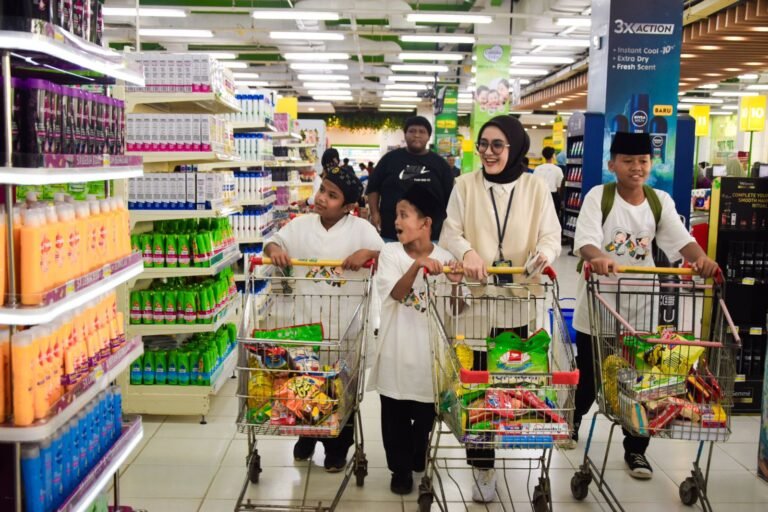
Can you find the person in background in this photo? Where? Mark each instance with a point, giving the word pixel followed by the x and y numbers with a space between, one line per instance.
pixel 452 164
pixel 632 216
pixel 329 160
pixel 370 169
pixel 527 164
pixel 702 181
pixel 401 168
pixel 330 233
pixel 345 165
pixel 500 216
pixel 552 175
pixel 733 168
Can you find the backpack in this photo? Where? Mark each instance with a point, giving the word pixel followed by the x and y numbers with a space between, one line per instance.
pixel 609 196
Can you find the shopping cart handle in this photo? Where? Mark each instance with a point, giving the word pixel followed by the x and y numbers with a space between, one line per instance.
pixel 474 376
pixel 258 260
pixel 565 378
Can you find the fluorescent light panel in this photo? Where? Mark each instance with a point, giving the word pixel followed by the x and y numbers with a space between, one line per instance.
pixel 758 87
pixel 749 76
pixel 733 94
pixel 326 85
pixel 329 92
pixel 220 55
pixel 144 12
pixel 448 18
pixel 231 64
pixel 712 101
pixel 332 98
pixel 437 38
pixel 560 41
pixel 407 87
pixel 527 71
pixel 399 105
pixel 730 107
pixel 251 83
pixel 323 78
pixel 245 75
pixel 708 86
pixel 405 99
pixel 307 36
pixel 175 32
pixel 400 93
pixel 573 22
pixel 540 59
pixel 293 14
pixel 425 68
pixel 431 56
pixel 318 66
pixel 411 78
pixel 316 56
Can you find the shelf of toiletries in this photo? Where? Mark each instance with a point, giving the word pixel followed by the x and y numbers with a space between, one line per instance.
pixel 223 316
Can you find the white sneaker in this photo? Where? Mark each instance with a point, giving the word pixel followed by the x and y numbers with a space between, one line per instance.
pixel 484 490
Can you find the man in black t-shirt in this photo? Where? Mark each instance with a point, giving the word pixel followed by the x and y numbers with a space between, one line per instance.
pixel 401 168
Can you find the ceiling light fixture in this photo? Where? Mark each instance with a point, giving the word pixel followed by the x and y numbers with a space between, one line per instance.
pixel 758 87
pixel 730 107
pixel 709 86
pixel 246 75
pixel 175 32
pixel 400 93
pixel 250 83
pixel 733 94
pixel 233 64
pixel 293 14
pixel 404 99
pixel 326 85
pixel 426 68
pixel 323 78
pixel 410 78
pixel 527 72
pixel 220 55
pixel 307 36
pixel 332 98
pixel 437 38
pixel 749 76
pixel 431 56
pixel 708 47
pixel 407 87
pixel 448 18
pixel 573 22
pixel 540 59
pixel 687 55
pixel 329 92
pixel 560 41
pixel 400 105
pixel 705 101
pixel 315 66
pixel 721 113
pixel 682 106
pixel 144 12
pixel 316 56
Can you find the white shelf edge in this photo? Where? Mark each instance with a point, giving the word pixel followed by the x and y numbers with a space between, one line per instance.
pixel 229 258
pixel 51 176
pixel 258 202
pixel 170 329
pixel 150 215
pixel 44 314
pixel 156 157
pixel 118 454
pixel 252 125
pixel 38 433
pixel 199 98
pixel 226 369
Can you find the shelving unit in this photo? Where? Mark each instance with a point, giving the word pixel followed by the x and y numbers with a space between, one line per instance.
pixel 245 164
pixel 226 315
pixel 181 103
pixel 36 43
pixel 221 261
pixel 573 172
pixel 189 157
pixel 264 201
pixel 154 215
pixel 252 127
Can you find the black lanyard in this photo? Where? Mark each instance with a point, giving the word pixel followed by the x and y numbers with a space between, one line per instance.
pixel 501 231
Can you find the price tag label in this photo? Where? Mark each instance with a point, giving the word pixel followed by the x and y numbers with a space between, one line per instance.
pixel 728 329
pixel 70 289
pixel 740 378
pixel 748 281
pixel 755 331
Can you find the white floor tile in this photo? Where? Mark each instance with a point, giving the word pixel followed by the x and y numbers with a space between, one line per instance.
pixel 369 506
pixel 189 427
pixel 163 505
pixel 679 455
pixel 223 406
pixel 186 452
pixel 660 489
pixel 170 481
pixel 729 487
pixel 744 429
pixel 325 486
pixel 745 454
pixel 274 484
pixel 218 506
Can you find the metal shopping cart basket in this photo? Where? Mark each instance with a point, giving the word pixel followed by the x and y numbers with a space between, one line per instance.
pixel 521 404
pixel 664 350
pixel 301 364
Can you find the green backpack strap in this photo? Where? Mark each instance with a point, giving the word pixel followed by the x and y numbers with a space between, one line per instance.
pixel 609 196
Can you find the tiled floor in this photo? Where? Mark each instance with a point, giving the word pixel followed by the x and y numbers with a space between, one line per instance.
pixel 183 466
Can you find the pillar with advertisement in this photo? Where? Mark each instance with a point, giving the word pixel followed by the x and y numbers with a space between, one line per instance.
pixel 491 87
pixel 447 120
pixel 634 71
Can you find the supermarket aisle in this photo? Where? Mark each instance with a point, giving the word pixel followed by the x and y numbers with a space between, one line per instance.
pixel 182 466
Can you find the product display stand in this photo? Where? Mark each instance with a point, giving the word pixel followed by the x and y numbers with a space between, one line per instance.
pixel 60 50
pixel 574 149
pixel 177 399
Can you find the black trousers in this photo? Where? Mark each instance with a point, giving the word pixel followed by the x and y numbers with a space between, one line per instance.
pixel 585 393
pixel 558 202
pixel 405 429
pixel 336 447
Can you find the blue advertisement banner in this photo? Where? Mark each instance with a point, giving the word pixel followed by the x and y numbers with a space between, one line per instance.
pixel 634 74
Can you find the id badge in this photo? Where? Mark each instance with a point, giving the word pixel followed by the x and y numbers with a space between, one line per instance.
pixel 502 279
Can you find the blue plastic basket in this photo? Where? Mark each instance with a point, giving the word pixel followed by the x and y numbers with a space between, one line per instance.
pixel 567 318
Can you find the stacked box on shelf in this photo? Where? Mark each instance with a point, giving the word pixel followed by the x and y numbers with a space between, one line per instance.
pixel 184 190
pixel 184 73
pixel 257 108
pixel 179 133
pixel 86 21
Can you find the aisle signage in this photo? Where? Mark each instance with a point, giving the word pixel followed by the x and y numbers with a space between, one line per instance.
pixel 447 120
pixel 700 113
pixel 752 114
pixel 491 86
pixel 558 135
pixel 634 71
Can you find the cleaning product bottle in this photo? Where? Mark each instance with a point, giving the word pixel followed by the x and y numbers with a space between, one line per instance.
pixel 56 234
pixel 82 220
pixel 32 478
pixel 35 260
pixel 66 214
pixel 42 377
pixel 94 230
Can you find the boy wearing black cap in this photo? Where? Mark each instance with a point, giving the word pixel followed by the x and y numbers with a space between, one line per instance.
pixel 402 367
pixel 331 233
pixel 401 168
pixel 639 214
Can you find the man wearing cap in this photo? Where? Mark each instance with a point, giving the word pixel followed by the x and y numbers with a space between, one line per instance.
pixel 399 169
pixel 618 230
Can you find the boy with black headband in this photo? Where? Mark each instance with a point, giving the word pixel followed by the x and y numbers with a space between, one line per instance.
pixel 402 368
pixel 328 234
pixel 637 212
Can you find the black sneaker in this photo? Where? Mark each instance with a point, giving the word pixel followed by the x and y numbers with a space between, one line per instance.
pixel 335 464
pixel 638 466
pixel 401 483
pixel 304 448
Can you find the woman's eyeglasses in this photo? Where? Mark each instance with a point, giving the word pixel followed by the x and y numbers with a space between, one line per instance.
pixel 497 146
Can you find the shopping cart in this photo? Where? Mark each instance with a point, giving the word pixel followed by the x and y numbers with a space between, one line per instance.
pixel 664 348
pixel 301 364
pixel 524 403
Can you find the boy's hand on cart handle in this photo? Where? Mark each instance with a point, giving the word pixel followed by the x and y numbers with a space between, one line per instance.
pixel 456 273
pixel 603 266
pixel 474 266
pixel 705 267
pixel 358 259
pixel 432 266
pixel 280 258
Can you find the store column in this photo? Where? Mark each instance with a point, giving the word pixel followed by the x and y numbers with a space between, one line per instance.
pixel 634 71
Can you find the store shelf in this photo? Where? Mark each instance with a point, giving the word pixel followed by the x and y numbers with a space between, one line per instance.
pixel 191 157
pixel 74 401
pixel 226 315
pixel 178 400
pixel 286 135
pixel 96 481
pixel 572 210
pixel 569 234
pixel 575 161
pixel 251 239
pixel 287 184
pixel 265 201
pixel 153 215
pixel 255 163
pixel 252 127
pixel 573 184
pixel 44 46
pixel 225 259
pixel 183 103
pixel 75 294
pixel 298 145
pixel 51 176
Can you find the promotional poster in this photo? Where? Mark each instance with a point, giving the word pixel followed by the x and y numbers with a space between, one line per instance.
pixel 491 86
pixel 447 121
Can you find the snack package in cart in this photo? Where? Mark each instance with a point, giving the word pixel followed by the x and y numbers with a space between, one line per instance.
pixel 311 333
pixel 304 397
pixel 507 352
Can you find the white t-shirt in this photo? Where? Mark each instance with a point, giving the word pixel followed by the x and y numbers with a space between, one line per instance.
pixel 402 367
pixel 551 174
pixel 305 238
pixel 626 236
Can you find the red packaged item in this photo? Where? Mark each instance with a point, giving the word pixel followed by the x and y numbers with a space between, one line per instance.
pixel 664 418
pixel 502 403
pixel 478 412
pixel 531 400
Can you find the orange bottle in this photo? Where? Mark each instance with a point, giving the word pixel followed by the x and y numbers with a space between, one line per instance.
pixel 70 356
pixel 56 232
pixel 58 339
pixel 81 335
pixel 82 216
pixel 42 376
pixel 123 227
pixel 93 235
pixel 5 375
pixel 24 353
pixel 66 214
pixel 3 263
pixel 107 231
pixel 35 258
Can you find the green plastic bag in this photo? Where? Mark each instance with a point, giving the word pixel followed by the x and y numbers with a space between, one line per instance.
pixel 510 354
pixel 308 332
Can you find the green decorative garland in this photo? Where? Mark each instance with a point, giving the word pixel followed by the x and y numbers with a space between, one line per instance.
pixel 366 121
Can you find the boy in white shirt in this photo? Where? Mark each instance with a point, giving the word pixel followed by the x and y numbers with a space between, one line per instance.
pixel 624 237
pixel 552 175
pixel 330 233
pixel 402 368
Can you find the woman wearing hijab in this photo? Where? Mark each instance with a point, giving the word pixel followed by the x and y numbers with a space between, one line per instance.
pixel 498 216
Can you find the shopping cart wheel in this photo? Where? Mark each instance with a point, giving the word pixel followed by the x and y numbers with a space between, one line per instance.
pixel 541 498
pixel 361 471
pixel 254 467
pixel 689 491
pixel 580 485
pixel 425 501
